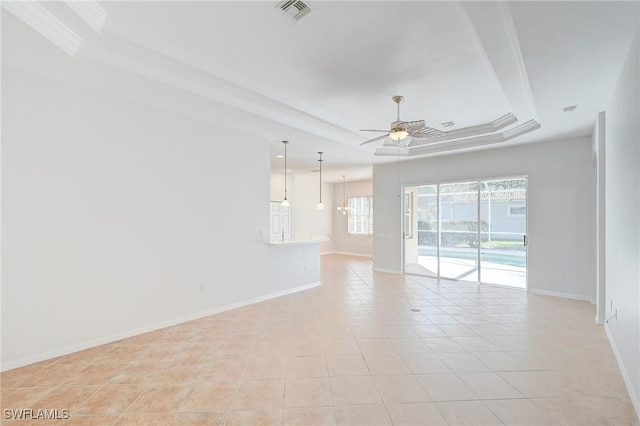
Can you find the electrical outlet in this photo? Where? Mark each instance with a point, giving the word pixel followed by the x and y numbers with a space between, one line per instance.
pixel 203 288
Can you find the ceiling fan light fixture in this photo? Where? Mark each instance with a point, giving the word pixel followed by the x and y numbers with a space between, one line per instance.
pixel 398 135
pixel 401 130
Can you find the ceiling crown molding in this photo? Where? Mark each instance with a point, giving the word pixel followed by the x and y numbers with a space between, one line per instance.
pixel 455 144
pixel 498 40
pixel 90 11
pixel 481 129
pixel 132 50
pixel 41 20
pixel 520 130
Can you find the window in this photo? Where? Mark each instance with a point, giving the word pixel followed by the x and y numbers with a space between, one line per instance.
pixel 360 215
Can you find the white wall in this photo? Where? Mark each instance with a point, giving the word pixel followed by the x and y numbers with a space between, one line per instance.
pixel 559 217
pixel 308 221
pixel 277 185
pixel 343 242
pixel 115 213
pixel 623 222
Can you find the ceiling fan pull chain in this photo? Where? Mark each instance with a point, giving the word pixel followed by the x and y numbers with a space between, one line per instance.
pixel 398 171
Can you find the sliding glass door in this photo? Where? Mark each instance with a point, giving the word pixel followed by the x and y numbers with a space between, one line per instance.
pixel 421 230
pixel 459 231
pixel 503 214
pixel 472 231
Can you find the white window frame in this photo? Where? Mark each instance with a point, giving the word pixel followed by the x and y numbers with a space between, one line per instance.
pixel 360 223
pixel 408 215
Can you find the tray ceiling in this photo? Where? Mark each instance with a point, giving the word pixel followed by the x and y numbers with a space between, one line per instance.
pixel 316 81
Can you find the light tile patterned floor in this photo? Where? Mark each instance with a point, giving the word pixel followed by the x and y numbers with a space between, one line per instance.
pixel 351 352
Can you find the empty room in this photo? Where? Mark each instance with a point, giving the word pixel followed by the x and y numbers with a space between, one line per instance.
pixel 320 212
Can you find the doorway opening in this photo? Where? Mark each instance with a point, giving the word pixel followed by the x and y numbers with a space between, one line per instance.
pixel 473 231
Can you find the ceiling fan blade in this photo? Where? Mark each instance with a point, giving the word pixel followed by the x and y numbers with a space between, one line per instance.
pixel 412 126
pixel 371 130
pixel 375 139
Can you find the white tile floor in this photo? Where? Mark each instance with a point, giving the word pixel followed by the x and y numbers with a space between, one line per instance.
pixel 351 352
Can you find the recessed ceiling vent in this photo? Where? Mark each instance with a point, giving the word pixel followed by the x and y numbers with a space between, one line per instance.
pixel 294 8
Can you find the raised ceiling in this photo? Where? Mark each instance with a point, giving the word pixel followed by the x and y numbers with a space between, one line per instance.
pixel 318 80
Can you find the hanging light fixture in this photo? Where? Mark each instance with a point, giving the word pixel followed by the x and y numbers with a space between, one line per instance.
pixel 285 202
pixel 320 204
pixel 398 132
pixel 343 209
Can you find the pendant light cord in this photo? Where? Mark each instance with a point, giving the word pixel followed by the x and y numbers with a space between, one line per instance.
pixel 320 161
pixel 285 169
pixel 344 191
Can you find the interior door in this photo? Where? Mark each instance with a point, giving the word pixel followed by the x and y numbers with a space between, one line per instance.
pixel 280 222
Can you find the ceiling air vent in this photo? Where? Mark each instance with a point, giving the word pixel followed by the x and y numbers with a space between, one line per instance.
pixel 294 8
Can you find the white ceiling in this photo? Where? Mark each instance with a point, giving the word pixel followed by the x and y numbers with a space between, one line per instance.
pixel 317 81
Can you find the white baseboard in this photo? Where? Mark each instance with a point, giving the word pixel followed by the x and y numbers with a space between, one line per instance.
pixel 146 329
pixel 345 253
pixel 627 381
pixel 387 271
pixel 599 321
pixel 559 294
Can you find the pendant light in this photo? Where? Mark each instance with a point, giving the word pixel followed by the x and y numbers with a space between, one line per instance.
pixel 343 209
pixel 320 204
pixel 285 202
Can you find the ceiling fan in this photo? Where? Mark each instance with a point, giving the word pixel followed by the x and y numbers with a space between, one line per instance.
pixel 402 133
